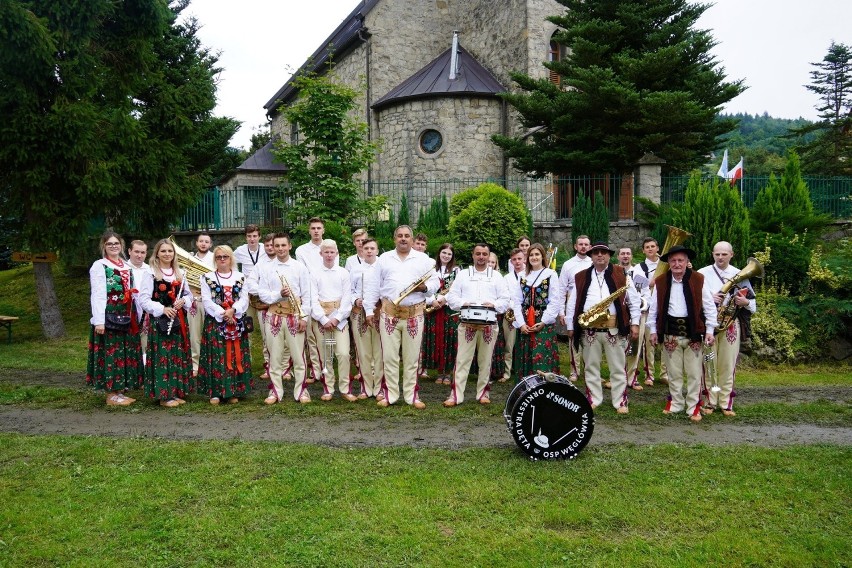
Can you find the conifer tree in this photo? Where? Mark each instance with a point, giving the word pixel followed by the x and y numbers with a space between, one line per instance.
pixel 638 77
pixel 785 203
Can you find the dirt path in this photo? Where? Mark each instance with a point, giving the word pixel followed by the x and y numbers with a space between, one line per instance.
pixel 395 430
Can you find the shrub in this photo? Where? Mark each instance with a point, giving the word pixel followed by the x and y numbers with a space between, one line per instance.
pixel 773 335
pixel 491 214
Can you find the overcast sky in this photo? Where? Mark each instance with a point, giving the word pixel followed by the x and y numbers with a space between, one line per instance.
pixel 769 43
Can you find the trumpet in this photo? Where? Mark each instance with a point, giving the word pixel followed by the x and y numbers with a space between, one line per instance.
pixel 328 343
pixel 295 304
pixel 411 288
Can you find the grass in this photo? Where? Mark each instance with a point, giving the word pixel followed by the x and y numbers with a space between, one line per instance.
pixel 109 502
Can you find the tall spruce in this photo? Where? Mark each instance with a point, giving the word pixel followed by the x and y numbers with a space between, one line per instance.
pixel 106 115
pixel 713 211
pixel 590 217
pixel 638 77
pixel 785 204
pixel 830 153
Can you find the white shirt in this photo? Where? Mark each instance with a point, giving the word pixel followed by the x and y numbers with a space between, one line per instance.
pixel 309 255
pixel 359 274
pixel 474 288
pixel 394 274
pixel 207 261
pixel 146 291
pixel 298 279
pixel 652 267
pixel 252 279
pixel 329 285
pixel 553 304
pixel 212 308
pixel 712 281
pixel 677 306
pixel 141 274
pixel 352 262
pixel 566 277
pixel 249 259
pixel 598 290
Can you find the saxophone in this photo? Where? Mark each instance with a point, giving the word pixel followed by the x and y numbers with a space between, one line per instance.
pixel 597 315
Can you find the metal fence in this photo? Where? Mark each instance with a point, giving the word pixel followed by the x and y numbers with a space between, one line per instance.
pixel 832 195
pixel 549 199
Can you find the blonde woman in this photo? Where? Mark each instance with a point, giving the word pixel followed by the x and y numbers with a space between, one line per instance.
pixel 224 370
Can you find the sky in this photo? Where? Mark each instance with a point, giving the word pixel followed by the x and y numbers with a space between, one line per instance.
pixel 767 43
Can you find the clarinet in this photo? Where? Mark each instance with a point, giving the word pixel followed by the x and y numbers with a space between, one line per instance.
pixel 179 295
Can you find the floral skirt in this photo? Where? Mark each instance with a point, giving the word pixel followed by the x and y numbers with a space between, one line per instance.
pixel 219 373
pixel 115 361
pixel 440 333
pixel 536 352
pixel 168 372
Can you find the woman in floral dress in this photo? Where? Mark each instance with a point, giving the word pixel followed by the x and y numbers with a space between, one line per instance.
pixel 536 309
pixel 164 296
pixel 115 351
pixel 224 370
pixel 441 329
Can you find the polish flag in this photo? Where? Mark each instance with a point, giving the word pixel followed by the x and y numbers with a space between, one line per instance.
pixel 723 169
pixel 736 172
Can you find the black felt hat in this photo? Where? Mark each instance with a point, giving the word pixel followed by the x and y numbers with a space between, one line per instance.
pixel 600 245
pixel 678 248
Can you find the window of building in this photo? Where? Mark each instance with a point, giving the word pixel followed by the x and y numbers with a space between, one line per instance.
pixel 430 142
pixel 556 52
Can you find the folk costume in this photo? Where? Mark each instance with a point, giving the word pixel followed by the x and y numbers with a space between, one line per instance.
pixel 569 270
pixel 647 268
pixel 225 365
pixel 309 255
pixel 115 357
pixel 331 298
pixel 728 341
pixel 536 300
pixel 682 314
pixel 282 323
pixel 368 344
pixel 140 274
pixel 168 371
pixel 510 333
pixel 475 288
pixel 441 330
pixel 611 337
pixel 400 326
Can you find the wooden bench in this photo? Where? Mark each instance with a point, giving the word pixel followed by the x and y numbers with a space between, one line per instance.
pixel 7 321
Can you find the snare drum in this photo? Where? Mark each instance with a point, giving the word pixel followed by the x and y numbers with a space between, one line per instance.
pixel 549 419
pixel 478 315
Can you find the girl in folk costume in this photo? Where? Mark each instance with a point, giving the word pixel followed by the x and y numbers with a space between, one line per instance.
pixel 224 369
pixel 536 307
pixel 115 352
pixel 165 296
pixel 440 331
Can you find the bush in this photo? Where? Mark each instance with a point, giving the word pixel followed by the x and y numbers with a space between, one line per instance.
pixel 489 214
pixel 773 335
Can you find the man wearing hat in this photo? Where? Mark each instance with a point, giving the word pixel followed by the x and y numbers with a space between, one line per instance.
pixel 608 333
pixel 682 313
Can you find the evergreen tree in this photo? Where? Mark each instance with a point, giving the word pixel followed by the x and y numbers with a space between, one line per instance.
pixel 830 153
pixel 713 211
pixel 106 112
pixel 331 151
pixel 591 218
pixel 638 78
pixel 785 203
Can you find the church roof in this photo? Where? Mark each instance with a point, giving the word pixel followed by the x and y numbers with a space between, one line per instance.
pixel 433 81
pixel 262 161
pixel 344 38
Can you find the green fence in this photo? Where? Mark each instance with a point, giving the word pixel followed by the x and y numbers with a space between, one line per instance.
pixel 832 195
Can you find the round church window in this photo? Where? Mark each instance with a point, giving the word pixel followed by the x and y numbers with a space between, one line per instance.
pixel 431 141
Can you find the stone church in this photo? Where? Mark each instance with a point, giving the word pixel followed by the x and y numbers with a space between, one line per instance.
pixel 429 73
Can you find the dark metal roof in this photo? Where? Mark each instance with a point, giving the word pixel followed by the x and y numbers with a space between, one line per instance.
pixel 347 35
pixel 434 81
pixel 262 161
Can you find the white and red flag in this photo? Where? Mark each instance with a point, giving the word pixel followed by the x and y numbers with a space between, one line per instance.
pixel 736 172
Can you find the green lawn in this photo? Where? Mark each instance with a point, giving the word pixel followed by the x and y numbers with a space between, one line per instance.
pixel 109 502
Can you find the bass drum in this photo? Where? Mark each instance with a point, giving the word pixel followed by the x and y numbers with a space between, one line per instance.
pixel 549 417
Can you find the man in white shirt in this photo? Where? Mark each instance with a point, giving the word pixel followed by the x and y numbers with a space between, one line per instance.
pixel 248 255
pixel 482 286
pixel 578 262
pixel 285 285
pixel 368 344
pixel 309 255
pixel 195 319
pixel 517 260
pixel 400 324
pixel 608 334
pixel 358 238
pixel 252 279
pixel 681 316
pixel 141 270
pixel 651 250
pixel 727 348
pixel 331 302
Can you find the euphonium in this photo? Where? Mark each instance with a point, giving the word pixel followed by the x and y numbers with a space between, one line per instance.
pixel 411 288
pixel 674 237
pixel 597 315
pixel 728 310
pixel 295 304
pixel 193 267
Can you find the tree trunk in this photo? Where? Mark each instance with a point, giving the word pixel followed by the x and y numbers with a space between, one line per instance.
pixel 51 318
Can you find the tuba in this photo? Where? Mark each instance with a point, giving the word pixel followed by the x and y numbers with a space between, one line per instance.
pixel 729 310
pixel 674 237
pixel 191 266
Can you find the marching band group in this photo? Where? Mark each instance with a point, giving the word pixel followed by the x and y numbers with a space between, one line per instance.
pixel 181 322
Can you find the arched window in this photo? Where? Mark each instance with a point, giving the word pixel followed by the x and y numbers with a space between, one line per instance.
pixel 556 52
